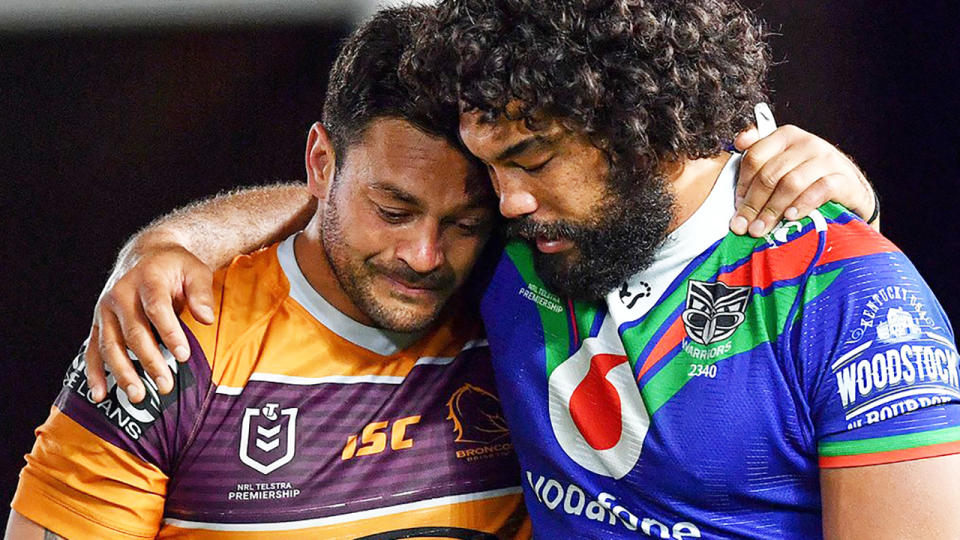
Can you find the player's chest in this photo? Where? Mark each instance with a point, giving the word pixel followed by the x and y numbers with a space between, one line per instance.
pixel 669 419
pixel 277 451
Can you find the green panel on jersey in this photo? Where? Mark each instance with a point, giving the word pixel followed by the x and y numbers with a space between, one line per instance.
pixel 585 314
pixel 887 444
pixel 553 315
pixel 756 330
pixel 832 210
pixel 732 247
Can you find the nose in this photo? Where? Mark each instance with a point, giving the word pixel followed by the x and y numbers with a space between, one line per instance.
pixel 515 199
pixel 422 250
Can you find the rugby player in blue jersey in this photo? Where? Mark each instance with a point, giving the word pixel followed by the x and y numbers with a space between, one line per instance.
pixel 603 127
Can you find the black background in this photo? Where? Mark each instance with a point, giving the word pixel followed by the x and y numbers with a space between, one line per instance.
pixel 103 130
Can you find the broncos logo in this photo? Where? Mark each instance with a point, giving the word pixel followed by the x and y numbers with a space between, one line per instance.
pixel 476 415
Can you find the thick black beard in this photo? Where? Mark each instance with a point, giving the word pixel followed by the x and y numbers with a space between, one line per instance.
pixel 630 226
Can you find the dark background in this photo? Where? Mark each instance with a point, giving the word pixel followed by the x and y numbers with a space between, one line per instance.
pixel 102 130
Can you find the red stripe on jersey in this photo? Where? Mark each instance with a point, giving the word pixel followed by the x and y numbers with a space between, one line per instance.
pixel 786 261
pixel 853 239
pixel 671 338
pixel 890 456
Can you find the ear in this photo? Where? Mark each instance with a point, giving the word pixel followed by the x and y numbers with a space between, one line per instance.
pixel 321 161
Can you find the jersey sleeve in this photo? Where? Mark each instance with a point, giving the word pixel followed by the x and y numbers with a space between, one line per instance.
pixel 101 470
pixel 877 355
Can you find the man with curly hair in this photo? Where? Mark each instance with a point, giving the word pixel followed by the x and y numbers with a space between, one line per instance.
pixel 604 127
pixel 660 374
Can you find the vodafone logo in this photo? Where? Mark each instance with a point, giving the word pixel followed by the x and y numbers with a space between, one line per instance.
pixel 596 410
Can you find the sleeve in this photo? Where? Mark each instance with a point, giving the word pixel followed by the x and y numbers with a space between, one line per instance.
pixel 876 353
pixel 101 470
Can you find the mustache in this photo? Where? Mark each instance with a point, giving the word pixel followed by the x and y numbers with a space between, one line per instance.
pixel 527 228
pixel 439 279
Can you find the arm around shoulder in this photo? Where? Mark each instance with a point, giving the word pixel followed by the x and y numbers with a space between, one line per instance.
pixel 169 266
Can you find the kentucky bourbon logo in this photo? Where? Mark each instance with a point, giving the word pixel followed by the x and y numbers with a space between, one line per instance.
pixel 714 311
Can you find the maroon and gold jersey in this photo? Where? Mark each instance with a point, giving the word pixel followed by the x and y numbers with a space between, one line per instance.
pixel 290 420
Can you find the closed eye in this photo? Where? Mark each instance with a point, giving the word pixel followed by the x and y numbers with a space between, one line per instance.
pixel 392 215
pixel 535 168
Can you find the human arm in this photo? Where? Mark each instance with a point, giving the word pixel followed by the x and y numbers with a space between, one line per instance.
pixel 912 499
pixel 168 266
pixel 160 267
pixel 101 471
pixel 21 528
pixel 791 172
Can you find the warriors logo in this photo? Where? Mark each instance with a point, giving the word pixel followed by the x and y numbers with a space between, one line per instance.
pixel 714 311
pixel 596 410
pixel 274 439
pixel 476 416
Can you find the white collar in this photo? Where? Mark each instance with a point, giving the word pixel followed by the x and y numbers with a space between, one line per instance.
pixel 701 230
pixel 378 340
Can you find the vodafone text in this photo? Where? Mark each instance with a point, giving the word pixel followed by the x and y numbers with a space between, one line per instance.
pixel 572 500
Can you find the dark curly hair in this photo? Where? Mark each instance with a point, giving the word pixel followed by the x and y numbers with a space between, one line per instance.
pixel 647 80
pixel 365 84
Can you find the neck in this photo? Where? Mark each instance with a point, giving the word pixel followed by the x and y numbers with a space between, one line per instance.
pixel 313 262
pixel 691 182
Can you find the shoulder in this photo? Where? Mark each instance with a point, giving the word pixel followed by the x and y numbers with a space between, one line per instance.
pixel 251 285
pixel 828 238
pixel 246 293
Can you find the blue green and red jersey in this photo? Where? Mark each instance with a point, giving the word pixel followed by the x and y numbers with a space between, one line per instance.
pixel 702 398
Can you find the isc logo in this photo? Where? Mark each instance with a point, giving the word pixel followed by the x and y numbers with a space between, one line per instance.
pixel 373 438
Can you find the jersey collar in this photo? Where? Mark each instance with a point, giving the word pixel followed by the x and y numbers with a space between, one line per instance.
pixel 706 226
pixel 377 340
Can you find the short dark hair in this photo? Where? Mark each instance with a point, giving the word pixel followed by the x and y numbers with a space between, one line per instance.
pixel 647 81
pixel 364 83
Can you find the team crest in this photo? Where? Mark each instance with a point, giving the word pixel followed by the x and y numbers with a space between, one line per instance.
pixel 476 415
pixel 273 443
pixel 714 310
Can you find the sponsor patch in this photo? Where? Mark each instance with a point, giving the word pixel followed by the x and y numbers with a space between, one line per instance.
pixel 131 418
pixel 900 362
pixel 574 500
pixel 596 410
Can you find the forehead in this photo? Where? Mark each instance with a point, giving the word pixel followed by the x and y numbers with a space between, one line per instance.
pixel 394 152
pixel 488 138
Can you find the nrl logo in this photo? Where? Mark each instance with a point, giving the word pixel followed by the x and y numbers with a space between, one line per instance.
pixel 274 442
pixel 714 310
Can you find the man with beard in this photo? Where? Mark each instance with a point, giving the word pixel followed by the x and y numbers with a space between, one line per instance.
pixel 595 165
pixel 333 373
pixel 659 374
